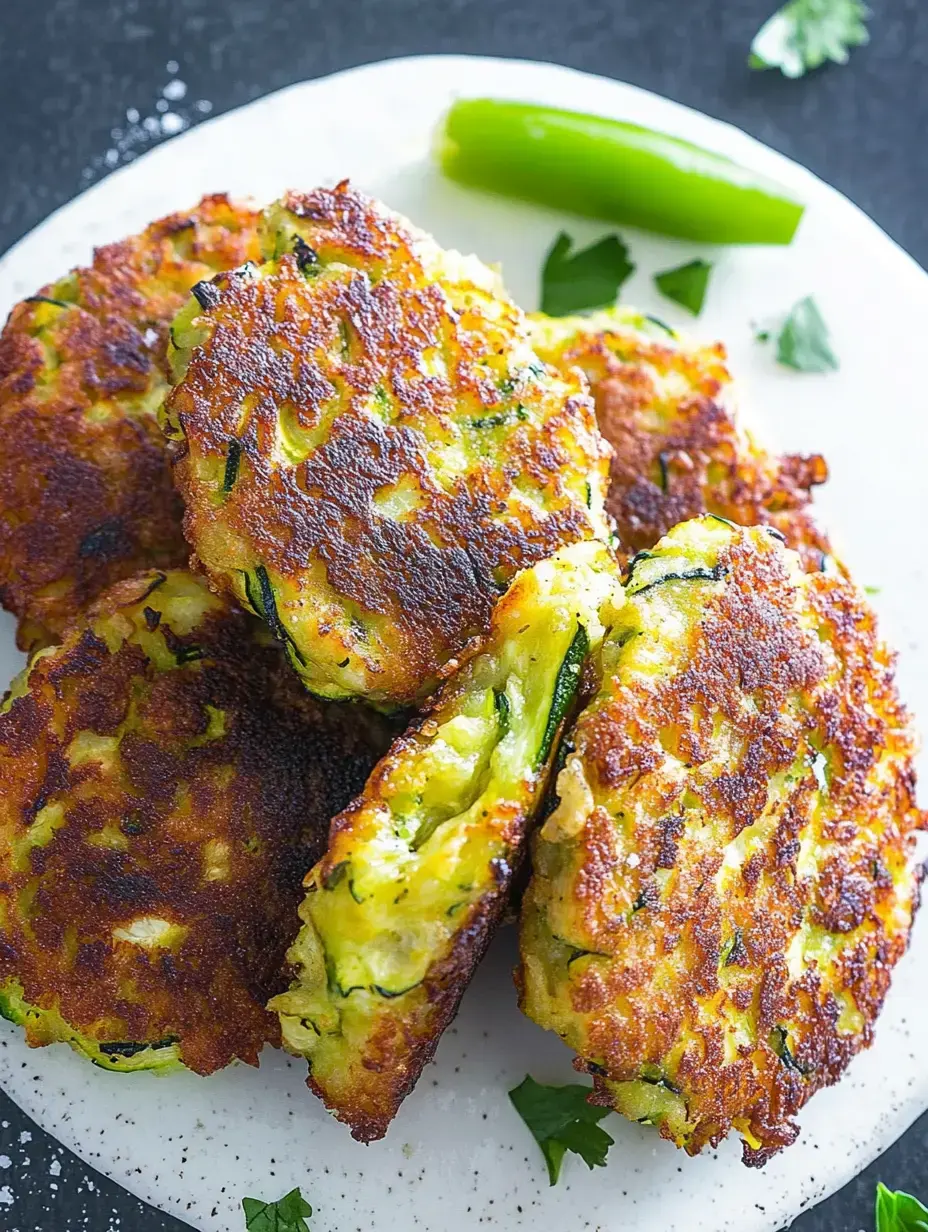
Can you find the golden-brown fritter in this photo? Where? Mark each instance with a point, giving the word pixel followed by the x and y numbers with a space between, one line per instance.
pixel 728 878
pixel 165 782
pixel 367 446
pixel 665 406
pixel 86 495
pixel 419 868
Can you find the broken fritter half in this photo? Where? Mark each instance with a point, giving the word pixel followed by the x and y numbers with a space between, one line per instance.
pixel 665 406
pixel 368 447
pixel 165 782
pixel 728 878
pixel 86 495
pixel 419 869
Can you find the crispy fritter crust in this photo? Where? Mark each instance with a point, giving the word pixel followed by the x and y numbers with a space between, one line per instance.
pixel 163 771
pixel 86 495
pixel 665 407
pixel 722 892
pixel 364 421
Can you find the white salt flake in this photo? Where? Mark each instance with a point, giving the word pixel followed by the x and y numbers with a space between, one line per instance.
pixel 171 67
pixel 633 859
pixel 111 157
pixel 132 115
pixel 25 1137
pixel 162 104
pixel 172 123
pixel 203 105
pixel 5 1161
pixel 6 1196
pixel 151 124
pixel 55 1167
pixel 175 90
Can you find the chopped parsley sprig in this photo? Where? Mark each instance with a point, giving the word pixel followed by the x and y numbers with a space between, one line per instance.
pixel 803 34
pixel 561 1120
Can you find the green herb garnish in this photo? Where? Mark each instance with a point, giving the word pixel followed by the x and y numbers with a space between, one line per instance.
pixel 803 341
pixel 899 1212
pixel 686 284
pixel 561 1120
pixel 288 1214
pixel 803 34
pixel 579 281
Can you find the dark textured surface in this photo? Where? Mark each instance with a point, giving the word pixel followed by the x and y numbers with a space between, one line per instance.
pixel 72 68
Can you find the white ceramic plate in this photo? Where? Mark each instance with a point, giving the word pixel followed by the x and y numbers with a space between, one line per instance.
pixel 457 1155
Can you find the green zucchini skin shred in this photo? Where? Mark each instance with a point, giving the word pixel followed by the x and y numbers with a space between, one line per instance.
pixel 122 1057
pixel 419 867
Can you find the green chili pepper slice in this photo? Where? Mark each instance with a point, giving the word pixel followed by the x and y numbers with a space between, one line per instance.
pixel 612 170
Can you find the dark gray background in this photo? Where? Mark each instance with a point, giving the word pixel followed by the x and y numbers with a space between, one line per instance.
pixel 72 68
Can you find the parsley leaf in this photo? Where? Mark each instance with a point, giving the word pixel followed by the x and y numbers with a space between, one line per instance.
pixel 805 33
pixel 590 278
pixel 899 1212
pixel 561 1120
pixel 288 1214
pixel 803 342
pixel 686 285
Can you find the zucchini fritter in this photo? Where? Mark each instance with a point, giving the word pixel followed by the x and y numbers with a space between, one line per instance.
pixel 419 868
pixel 86 495
pixel 165 782
pixel 367 446
pixel 664 404
pixel 728 878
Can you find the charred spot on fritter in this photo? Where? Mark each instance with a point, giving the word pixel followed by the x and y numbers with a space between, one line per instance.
pixel 729 877
pixel 166 783
pixel 665 407
pixel 86 495
pixel 367 446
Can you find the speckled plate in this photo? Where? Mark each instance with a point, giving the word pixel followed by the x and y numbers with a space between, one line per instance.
pixel 457 1155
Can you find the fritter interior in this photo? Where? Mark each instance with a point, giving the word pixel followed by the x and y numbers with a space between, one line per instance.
pixel 419 869
pixel 665 406
pixel 165 782
pixel 728 878
pixel 367 446
pixel 86 495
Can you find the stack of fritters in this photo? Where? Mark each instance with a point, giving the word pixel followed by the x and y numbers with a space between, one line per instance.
pixel 381 457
